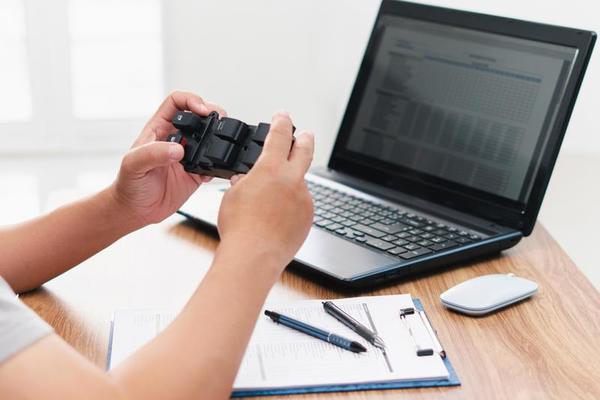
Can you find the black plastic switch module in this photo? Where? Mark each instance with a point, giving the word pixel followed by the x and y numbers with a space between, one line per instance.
pixel 220 147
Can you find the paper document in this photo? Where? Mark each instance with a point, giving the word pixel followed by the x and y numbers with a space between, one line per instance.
pixel 280 357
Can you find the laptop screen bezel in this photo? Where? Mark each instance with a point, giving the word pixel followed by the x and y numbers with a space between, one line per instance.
pixel 506 212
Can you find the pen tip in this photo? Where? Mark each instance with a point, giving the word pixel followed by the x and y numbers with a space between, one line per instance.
pixel 357 347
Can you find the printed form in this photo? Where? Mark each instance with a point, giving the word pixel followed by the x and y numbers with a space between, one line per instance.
pixel 280 357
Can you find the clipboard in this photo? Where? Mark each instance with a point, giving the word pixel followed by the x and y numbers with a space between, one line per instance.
pixel 452 380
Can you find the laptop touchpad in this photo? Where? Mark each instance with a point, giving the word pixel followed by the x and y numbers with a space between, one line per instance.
pixel 339 257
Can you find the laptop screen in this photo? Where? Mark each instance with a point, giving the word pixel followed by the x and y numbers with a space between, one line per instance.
pixel 459 105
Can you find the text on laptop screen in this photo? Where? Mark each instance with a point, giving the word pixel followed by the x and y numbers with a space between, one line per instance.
pixel 469 107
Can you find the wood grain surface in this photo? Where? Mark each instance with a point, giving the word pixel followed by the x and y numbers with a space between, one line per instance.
pixel 544 347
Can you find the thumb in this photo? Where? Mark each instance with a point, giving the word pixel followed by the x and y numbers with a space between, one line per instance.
pixel 144 158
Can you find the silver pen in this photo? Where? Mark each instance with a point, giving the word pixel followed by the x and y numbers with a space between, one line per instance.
pixel 353 324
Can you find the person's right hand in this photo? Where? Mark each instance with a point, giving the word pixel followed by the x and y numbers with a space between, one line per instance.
pixel 270 210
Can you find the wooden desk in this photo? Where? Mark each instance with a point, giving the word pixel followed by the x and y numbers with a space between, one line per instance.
pixel 546 347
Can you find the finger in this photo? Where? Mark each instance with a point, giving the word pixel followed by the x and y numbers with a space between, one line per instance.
pixel 205 179
pixel 302 152
pixel 180 101
pixel 144 158
pixel 215 107
pixel 235 179
pixel 279 140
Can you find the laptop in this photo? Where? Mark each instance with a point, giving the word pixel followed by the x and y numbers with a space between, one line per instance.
pixel 446 146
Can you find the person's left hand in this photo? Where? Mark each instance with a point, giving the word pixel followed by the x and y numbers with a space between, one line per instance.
pixel 152 184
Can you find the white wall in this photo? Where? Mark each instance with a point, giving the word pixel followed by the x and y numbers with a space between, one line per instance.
pixel 256 57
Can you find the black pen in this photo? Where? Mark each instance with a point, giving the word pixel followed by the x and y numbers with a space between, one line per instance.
pixel 353 324
pixel 303 327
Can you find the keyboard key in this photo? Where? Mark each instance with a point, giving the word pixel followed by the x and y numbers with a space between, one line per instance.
pixel 443 246
pixel 401 242
pixel 389 238
pixel 348 223
pixel 368 230
pixel 413 238
pixel 413 223
pixel 361 239
pixel 379 244
pixel 397 250
pixel 334 227
pixel 427 236
pixel 352 234
pixel 323 223
pixel 412 246
pixel 438 239
pixel 356 218
pixel 474 237
pixel 391 229
pixel 451 236
pixel 424 243
pixel 415 253
pixel 462 240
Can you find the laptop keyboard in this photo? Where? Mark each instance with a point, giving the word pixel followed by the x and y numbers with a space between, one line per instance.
pixel 389 229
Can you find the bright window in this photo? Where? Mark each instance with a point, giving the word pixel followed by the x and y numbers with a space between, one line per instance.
pixel 15 92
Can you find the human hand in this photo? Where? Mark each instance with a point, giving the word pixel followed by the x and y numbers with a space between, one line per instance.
pixel 270 210
pixel 152 184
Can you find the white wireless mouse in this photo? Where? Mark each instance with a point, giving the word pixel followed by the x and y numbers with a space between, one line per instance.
pixel 487 293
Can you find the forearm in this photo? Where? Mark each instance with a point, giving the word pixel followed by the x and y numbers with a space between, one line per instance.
pixel 199 354
pixel 33 252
